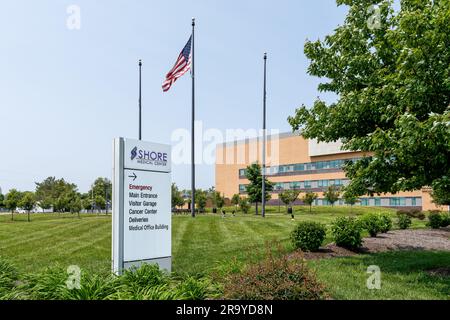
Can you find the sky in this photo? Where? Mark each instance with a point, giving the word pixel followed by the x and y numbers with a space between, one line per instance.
pixel 65 94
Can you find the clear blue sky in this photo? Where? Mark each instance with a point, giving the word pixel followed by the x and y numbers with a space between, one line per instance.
pixel 65 94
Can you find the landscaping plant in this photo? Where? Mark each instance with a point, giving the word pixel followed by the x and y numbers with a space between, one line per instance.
pixel 385 222
pixel 346 232
pixel 308 236
pixel 284 278
pixel 372 223
pixel 404 221
pixel 434 220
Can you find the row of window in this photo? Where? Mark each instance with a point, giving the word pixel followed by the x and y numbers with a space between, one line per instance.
pixel 378 202
pixel 300 185
pixel 299 167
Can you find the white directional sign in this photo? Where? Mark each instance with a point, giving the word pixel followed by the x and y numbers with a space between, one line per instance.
pixel 142 204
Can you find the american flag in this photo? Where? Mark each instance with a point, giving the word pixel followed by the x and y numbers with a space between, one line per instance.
pixel 182 66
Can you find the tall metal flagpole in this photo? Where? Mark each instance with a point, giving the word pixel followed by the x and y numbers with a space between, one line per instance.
pixel 140 101
pixel 263 198
pixel 193 125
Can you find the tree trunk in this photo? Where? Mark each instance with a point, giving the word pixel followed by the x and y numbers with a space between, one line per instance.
pixel 256 208
pixel 28 216
pixel 310 208
pixel 12 215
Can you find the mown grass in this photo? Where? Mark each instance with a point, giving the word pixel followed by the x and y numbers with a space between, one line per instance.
pixel 403 275
pixel 198 244
pixel 209 242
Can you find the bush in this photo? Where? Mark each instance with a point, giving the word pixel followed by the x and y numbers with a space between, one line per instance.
pixel 412 213
pixel 8 277
pixel 385 222
pixel 346 232
pixel 404 221
pixel 434 220
pixel 445 220
pixel 372 223
pixel 308 236
pixel 275 279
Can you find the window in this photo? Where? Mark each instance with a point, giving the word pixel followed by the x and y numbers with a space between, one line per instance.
pixel 364 201
pixel 413 202
pixel 377 202
pixel 242 172
pixel 307 184
pixel 395 202
pixel 242 188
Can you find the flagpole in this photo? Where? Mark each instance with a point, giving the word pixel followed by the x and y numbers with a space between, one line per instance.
pixel 193 125
pixel 263 199
pixel 140 101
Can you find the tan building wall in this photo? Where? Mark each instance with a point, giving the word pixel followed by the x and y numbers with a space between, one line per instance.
pixel 287 149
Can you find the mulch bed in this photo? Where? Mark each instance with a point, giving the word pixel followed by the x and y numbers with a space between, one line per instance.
pixel 421 239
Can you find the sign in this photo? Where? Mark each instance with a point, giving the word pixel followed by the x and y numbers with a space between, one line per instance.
pixel 141 204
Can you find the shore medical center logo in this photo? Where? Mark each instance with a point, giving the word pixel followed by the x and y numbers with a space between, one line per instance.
pixel 149 157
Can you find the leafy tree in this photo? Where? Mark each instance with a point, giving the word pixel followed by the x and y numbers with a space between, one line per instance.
pixel 392 80
pixel 51 192
pixel 332 194
pixel 177 197
pixel 254 189
pixel 102 187
pixel 86 202
pixel 220 200
pixel 100 202
pixel 27 203
pixel 244 205
pixel 309 198
pixel 12 200
pixel 200 200
pixel 288 197
pixel 440 194
pixel 2 199
pixel 235 200
pixel 350 198
pixel 76 205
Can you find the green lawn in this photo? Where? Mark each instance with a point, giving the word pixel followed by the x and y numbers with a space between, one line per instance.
pixel 203 243
pixel 198 244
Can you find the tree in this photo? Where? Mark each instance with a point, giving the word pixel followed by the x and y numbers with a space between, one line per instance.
pixel 244 205
pixel 200 200
pixel 100 203
pixel 76 205
pixel 309 199
pixel 2 199
pixel 220 200
pixel 332 194
pixel 27 203
pixel 177 197
pixel 288 197
pixel 350 198
pixel 12 200
pixel 235 200
pixel 440 194
pixel 51 193
pixel 86 202
pixel 254 188
pixel 102 187
pixel 392 80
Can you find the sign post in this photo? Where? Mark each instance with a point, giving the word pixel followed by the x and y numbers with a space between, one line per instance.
pixel 142 217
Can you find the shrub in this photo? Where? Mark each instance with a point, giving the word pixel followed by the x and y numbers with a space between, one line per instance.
pixel 434 220
pixel 412 213
pixel 445 220
pixel 346 232
pixel 308 236
pixel 372 223
pixel 275 279
pixel 404 221
pixel 385 222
